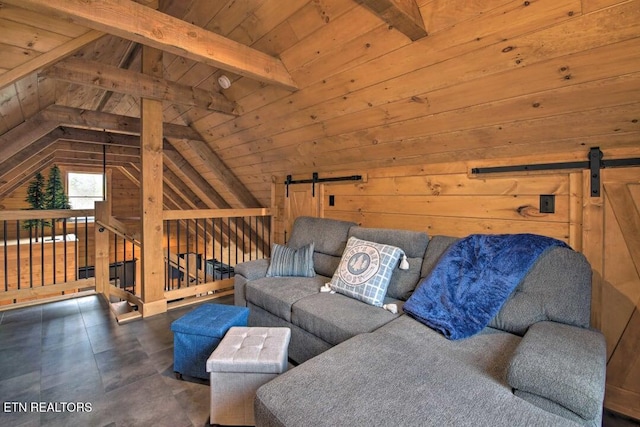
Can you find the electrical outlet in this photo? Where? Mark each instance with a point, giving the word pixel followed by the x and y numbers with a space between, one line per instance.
pixel 547 203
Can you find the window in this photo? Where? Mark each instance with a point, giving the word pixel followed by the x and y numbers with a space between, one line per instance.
pixel 84 189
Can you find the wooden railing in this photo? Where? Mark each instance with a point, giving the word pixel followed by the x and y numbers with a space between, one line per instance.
pixel 43 254
pixel 200 251
pixel 53 254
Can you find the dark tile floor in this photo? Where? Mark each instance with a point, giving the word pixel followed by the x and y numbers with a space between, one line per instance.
pixel 72 353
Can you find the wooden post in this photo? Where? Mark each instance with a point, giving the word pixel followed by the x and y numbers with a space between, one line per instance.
pixel 101 268
pixel 151 136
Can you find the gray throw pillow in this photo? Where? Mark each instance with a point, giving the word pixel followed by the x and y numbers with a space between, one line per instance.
pixel 365 270
pixel 286 261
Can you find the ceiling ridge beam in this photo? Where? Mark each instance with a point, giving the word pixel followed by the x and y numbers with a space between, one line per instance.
pixel 403 15
pixel 108 77
pixel 141 24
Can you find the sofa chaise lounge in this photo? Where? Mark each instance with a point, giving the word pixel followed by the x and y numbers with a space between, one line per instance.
pixel 536 363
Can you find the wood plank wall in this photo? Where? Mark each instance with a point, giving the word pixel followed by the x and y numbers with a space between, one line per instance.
pixel 445 199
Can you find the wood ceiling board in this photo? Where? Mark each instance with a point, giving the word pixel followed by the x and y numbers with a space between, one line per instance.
pixel 27 91
pixel 200 13
pixel 48 58
pixel 42 21
pixel 27 37
pixel 231 15
pixel 440 15
pixel 147 26
pixel 435 76
pixel 13 56
pixel 264 19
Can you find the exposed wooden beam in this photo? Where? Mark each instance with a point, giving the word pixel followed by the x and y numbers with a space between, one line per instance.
pixel 117 143
pixel 48 58
pixel 196 182
pixel 175 183
pixel 23 135
pixel 403 15
pixel 17 178
pixel 21 157
pixel 95 74
pixel 135 22
pixel 109 139
pixel 214 164
pixel 126 154
pixel 151 196
pixel 132 52
pixel 75 117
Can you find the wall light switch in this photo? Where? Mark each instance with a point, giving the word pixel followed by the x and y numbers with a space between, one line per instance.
pixel 547 203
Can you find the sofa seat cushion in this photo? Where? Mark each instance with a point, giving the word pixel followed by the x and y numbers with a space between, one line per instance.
pixel 277 294
pixel 403 374
pixel 335 318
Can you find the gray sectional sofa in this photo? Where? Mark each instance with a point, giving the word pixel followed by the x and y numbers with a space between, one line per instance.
pixel 536 363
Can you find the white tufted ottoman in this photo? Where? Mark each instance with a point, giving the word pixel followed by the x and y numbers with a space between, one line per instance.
pixel 246 358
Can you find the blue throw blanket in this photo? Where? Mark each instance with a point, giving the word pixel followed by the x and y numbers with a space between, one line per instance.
pixel 473 279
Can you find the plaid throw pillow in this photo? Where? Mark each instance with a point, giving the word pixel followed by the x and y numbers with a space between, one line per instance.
pixel 286 261
pixel 365 270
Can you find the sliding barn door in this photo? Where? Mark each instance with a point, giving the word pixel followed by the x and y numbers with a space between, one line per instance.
pixel 611 242
pixel 301 201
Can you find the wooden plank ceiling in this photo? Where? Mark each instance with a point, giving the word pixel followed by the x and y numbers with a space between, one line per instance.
pixel 317 85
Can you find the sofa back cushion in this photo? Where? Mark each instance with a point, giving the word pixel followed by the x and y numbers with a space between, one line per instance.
pixel 557 288
pixel 329 237
pixel 413 243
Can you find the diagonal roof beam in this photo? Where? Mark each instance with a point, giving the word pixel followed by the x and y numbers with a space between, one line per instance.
pixel 215 165
pixel 95 74
pixel 86 136
pixel 135 22
pixel 60 52
pixel 23 156
pixel 182 138
pixel 19 177
pixel 403 15
pixel 23 135
pixel 48 58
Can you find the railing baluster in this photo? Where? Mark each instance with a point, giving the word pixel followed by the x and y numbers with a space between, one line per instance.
pixel 18 252
pixel 6 261
pixel 53 238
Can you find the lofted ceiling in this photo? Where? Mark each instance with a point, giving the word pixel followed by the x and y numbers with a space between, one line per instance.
pixel 317 85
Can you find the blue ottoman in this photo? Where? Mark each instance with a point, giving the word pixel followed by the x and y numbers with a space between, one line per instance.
pixel 197 334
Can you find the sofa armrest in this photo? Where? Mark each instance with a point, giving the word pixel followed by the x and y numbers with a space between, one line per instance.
pixel 564 364
pixel 252 270
pixel 245 272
